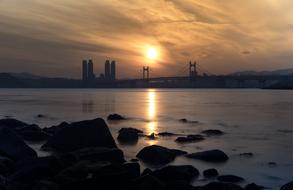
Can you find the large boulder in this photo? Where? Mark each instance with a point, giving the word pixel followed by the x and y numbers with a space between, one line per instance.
pixel 176 173
pixel 13 147
pixel 113 155
pixel 79 135
pixel 158 155
pixel 209 156
pixel 288 186
pixel 128 134
pixel 53 130
pixel 230 178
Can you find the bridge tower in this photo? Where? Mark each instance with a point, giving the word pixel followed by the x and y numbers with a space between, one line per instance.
pixel 146 72
pixel 192 70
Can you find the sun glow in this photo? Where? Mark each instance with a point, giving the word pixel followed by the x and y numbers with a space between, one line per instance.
pixel 152 53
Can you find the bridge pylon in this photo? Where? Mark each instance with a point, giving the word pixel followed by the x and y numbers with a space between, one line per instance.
pixel 146 73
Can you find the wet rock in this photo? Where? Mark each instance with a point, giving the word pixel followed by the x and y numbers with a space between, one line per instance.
pixel 230 178
pixel 115 117
pixel 288 186
pixel 34 135
pixel 221 186
pixel 13 147
pixel 151 136
pixel 158 155
pixel 40 116
pixel 52 130
pixel 184 120
pixel 209 173
pixel 113 155
pixel 212 132
pixel 176 173
pixel 253 186
pixel 209 156
pixel 134 160
pixel 190 139
pixel 128 135
pixel 44 185
pixel 79 135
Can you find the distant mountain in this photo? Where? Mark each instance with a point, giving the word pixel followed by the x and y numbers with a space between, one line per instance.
pixel 283 72
pixel 26 76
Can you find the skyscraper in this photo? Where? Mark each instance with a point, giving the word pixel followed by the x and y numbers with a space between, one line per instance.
pixel 91 74
pixel 84 71
pixel 113 70
pixel 107 69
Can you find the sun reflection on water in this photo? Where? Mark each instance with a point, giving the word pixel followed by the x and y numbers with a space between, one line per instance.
pixel 151 111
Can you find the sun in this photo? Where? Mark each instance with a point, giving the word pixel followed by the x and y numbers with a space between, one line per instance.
pixel 152 53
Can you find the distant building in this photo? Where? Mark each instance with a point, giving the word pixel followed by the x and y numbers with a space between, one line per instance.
pixel 113 70
pixel 91 75
pixel 107 70
pixel 84 71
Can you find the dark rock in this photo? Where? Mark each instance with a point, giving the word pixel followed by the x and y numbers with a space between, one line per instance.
pixel 190 138
pixel 36 169
pixel 131 129
pixel 176 173
pixel 288 186
pixel 158 155
pixel 253 186
pixel 151 136
pixel 247 154
pixel 209 173
pixel 166 134
pixel 230 178
pixel 183 120
pixel 40 116
pixel 146 171
pixel 12 146
pixel 44 185
pixel 221 186
pixel 212 132
pixel 147 182
pixel 79 135
pixel 6 166
pixel 12 123
pixel 54 129
pixel 179 185
pixel 128 135
pixel 209 156
pixel 115 117
pixel 34 135
pixel 112 155
pixel 134 160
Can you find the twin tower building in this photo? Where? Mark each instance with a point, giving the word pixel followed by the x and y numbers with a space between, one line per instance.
pixel 88 75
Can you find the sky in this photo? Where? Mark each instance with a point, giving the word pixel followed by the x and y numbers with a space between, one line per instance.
pixel 52 37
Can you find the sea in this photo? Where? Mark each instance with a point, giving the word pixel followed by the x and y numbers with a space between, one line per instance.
pixel 253 120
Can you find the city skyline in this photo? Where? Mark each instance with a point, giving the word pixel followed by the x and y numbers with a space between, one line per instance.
pixel 50 38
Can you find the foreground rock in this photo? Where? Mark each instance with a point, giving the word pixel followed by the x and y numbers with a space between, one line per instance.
pixel 175 173
pixel 158 155
pixel 288 186
pixel 230 178
pixel 12 146
pixel 209 156
pixel 190 139
pixel 115 117
pixel 12 123
pixel 128 135
pixel 253 186
pixel 54 129
pixel 32 133
pixel 79 135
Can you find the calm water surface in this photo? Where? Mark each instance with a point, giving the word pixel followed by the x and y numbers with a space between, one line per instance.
pixel 258 121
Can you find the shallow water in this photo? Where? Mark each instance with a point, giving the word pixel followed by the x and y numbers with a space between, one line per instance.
pixel 258 121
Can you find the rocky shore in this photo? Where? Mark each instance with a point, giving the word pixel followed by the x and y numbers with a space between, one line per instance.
pixel 85 156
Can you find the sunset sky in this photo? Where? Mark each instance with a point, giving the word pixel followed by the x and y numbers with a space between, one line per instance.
pixel 52 37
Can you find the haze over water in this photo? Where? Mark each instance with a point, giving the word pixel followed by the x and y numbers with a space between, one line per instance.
pixel 257 121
